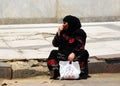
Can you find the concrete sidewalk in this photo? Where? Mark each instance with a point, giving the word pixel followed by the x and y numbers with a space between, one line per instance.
pixel 23 47
pixel 33 41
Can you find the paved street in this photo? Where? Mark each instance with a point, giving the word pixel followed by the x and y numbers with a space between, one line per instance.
pixel 94 80
pixel 33 41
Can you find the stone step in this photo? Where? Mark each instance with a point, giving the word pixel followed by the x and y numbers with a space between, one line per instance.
pixel 5 70
pixel 38 67
pixel 104 66
pixel 34 67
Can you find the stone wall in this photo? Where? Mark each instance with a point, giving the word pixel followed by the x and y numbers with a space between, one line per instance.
pixel 52 11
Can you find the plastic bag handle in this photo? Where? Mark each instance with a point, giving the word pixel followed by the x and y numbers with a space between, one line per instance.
pixel 70 62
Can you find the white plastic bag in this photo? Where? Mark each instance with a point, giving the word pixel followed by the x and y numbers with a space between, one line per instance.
pixel 69 70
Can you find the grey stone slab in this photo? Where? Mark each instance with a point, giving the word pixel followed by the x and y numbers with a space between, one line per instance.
pixel 103 48
pixel 34 54
pixel 103 66
pixel 3 44
pixel 2 64
pixel 22 44
pixel 28 68
pixel 110 56
pixel 5 70
pixel 9 54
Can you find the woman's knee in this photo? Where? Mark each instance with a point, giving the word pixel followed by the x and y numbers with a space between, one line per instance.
pixel 86 54
pixel 53 54
pixel 83 56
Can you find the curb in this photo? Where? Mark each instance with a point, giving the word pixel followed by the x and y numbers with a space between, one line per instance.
pixel 104 66
pixel 96 64
pixel 5 70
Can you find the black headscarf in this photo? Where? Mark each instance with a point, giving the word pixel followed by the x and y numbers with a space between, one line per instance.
pixel 73 23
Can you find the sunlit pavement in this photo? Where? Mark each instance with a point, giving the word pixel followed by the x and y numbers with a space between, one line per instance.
pixel 33 41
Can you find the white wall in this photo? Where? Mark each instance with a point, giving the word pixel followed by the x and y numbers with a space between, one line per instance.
pixel 98 10
pixel 27 8
pixel 89 8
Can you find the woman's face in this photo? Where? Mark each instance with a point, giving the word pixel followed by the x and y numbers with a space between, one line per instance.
pixel 65 25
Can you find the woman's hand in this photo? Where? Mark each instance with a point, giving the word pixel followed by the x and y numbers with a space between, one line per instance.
pixel 71 57
pixel 59 30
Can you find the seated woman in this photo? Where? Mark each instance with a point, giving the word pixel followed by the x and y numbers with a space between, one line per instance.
pixel 70 40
